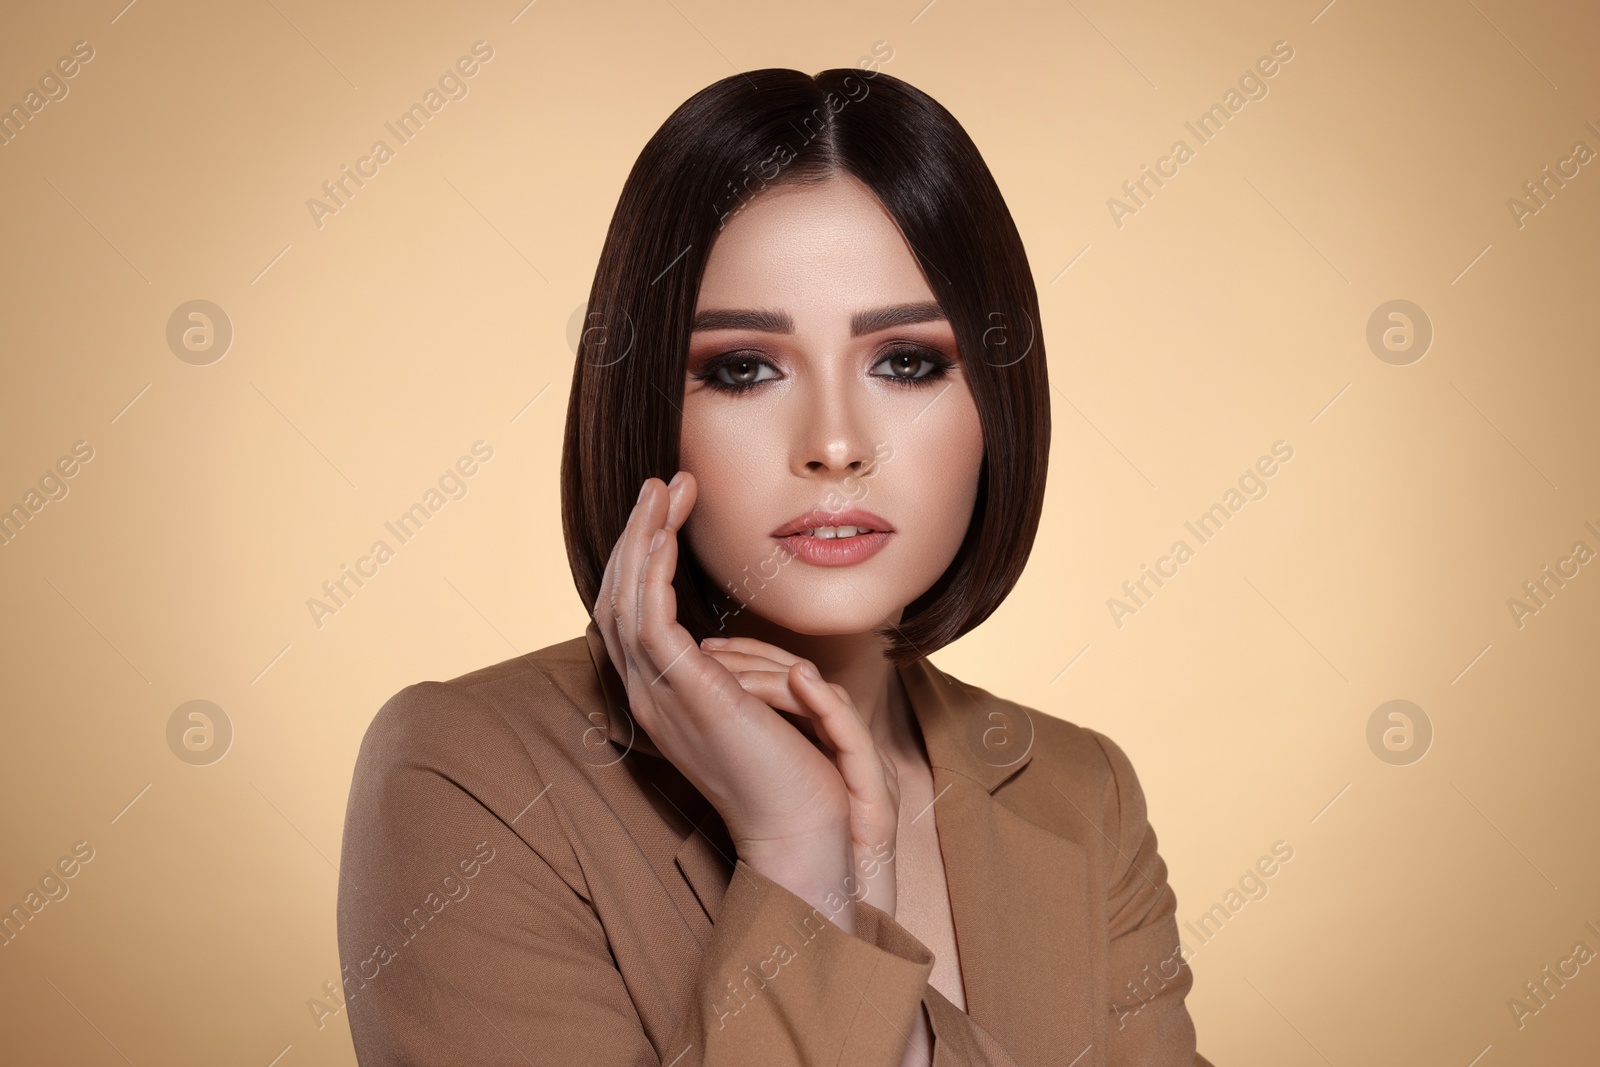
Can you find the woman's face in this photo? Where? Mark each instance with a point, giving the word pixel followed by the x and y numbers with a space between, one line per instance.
pixel 824 389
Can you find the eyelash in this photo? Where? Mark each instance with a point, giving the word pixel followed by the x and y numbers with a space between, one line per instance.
pixel 939 363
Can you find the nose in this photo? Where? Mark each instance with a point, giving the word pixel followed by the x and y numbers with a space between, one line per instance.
pixel 833 433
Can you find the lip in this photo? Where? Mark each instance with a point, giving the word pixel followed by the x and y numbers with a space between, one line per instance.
pixel 812 519
pixel 834 552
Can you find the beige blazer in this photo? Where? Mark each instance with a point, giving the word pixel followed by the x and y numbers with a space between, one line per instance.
pixel 527 881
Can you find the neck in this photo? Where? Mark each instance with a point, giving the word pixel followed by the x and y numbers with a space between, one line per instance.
pixel 856 662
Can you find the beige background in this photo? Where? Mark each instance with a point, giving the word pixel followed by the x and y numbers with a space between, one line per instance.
pixel 1228 313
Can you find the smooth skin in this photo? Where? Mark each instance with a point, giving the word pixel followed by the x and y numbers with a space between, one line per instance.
pixel 796 728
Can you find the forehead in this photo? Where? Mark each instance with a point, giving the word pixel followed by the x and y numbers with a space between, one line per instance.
pixel 817 248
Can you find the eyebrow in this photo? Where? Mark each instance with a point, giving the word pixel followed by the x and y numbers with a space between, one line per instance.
pixel 862 322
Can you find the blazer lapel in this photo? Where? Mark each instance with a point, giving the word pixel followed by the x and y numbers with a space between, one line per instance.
pixel 706 859
pixel 1019 894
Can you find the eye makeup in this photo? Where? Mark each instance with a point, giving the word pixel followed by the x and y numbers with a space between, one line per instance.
pixel 740 371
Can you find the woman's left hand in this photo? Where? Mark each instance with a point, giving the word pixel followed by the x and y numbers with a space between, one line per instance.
pixel 767 672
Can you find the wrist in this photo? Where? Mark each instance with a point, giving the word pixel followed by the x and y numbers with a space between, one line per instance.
pixel 818 873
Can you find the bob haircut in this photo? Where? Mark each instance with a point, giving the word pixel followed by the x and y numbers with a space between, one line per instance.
pixel 720 149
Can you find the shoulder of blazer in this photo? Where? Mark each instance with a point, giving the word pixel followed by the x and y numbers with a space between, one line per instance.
pixel 514 736
pixel 551 685
pixel 496 728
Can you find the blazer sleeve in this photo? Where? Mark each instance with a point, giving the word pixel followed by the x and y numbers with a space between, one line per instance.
pixel 1149 971
pixel 466 933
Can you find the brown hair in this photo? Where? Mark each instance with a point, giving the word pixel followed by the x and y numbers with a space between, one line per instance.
pixel 718 150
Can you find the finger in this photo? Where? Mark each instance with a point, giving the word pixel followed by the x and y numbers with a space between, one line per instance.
pixel 660 634
pixel 659 616
pixel 602 603
pixel 771 687
pixel 610 584
pixel 603 615
pixel 751 646
pixel 768 680
pixel 857 758
pixel 682 492
pixel 746 661
pixel 771 684
pixel 635 544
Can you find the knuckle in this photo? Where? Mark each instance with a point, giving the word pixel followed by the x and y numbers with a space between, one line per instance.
pixel 650 640
pixel 641 698
pixel 643 710
pixel 721 693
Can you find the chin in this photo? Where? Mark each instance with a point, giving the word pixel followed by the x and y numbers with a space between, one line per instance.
pixel 820 619
pixel 820 601
pixel 837 626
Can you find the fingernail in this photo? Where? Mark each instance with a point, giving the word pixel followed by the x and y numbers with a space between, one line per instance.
pixel 658 540
pixel 715 642
pixel 676 478
pixel 643 489
pixel 808 671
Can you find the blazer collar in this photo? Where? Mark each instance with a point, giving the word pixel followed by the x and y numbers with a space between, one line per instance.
pixel 967 732
pixel 1022 898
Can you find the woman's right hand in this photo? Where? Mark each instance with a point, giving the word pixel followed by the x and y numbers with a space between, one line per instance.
pixel 785 802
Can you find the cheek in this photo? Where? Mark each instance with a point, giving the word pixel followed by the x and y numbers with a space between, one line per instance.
pixel 946 459
pixel 723 449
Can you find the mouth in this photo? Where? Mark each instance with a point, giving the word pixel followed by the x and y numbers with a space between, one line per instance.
pixel 834 525
pixel 835 538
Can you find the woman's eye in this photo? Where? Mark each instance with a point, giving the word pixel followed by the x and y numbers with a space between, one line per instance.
pixel 910 366
pixel 914 365
pixel 738 372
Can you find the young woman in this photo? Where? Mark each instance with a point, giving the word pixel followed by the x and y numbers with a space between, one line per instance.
pixel 743 820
